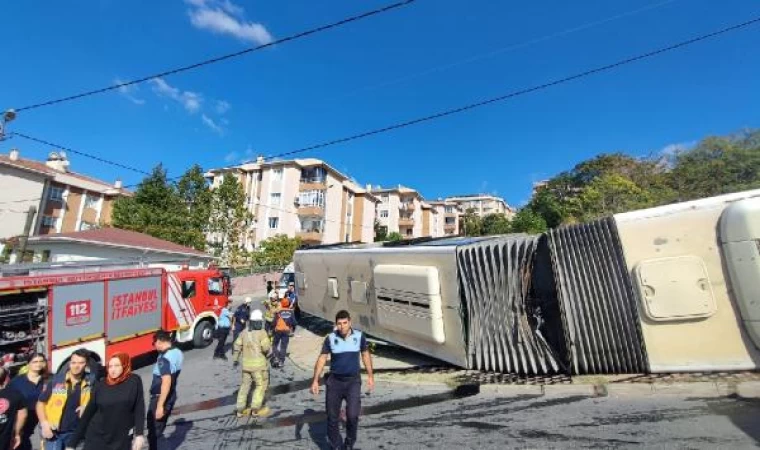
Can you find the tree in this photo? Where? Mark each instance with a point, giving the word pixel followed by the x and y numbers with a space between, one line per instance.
pixel 495 224
pixel 278 250
pixel 395 237
pixel 472 224
pixel 381 232
pixel 194 193
pixel 528 221
pixel 228 220
pixel 611 194
pixel 155 209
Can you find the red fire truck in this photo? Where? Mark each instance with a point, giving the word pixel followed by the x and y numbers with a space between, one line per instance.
pixel 105 310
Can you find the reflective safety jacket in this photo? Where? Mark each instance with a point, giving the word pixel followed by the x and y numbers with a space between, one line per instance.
pixel 253 346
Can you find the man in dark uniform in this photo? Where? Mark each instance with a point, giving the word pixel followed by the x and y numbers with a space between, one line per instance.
pixel 345 346
pixel 163 388
pixel 13 413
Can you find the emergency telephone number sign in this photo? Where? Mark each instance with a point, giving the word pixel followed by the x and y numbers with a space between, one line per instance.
pixel 78 312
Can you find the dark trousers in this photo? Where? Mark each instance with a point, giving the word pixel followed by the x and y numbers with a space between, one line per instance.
pixel 156 427
pixel 280 344
pixel 339 389
pixel 235 333
pixel 221 335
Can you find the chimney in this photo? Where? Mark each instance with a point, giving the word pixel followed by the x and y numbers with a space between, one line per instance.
pixel 117 184
pixel 260 159
pixel 58 162
pixel 13 155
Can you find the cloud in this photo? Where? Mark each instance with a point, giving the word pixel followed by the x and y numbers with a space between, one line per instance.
pixel 226 18
pixel 189 100
pixel 222 106
pixel 129 91
pixel 674 149
pixel 209 122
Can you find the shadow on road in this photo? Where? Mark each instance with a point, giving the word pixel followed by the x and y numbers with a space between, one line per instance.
pixel 742 412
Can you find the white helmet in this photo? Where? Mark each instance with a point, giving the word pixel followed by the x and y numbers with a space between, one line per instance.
pixel 248 300
pixel 257 315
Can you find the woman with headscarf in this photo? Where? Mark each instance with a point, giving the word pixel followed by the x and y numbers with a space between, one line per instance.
pixel 29 383
pixel 114 418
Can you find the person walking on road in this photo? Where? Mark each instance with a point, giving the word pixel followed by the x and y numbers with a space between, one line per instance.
pixel 223 325
pixel 114 418
pixel 240 318
pixel 344 346
pixel 63 400
pixel 283 326
pixel 270 308
pixel 252 345
pixel 292 296
pixel 29 383
pixel 13 413
pixel 163 388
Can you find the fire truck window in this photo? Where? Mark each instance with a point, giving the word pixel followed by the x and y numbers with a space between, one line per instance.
pixel 188 289
pixel 215 286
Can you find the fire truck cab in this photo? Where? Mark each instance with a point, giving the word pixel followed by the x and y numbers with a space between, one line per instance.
pixel 105 310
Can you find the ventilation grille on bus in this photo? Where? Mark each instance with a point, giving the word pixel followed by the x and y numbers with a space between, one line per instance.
pixel 495 280
pixel 601 322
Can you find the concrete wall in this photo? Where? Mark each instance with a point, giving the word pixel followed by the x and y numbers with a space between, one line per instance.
pixel 253 284
pixel 17 185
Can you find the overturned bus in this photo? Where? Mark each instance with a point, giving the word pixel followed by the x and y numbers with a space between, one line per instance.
pixel 667 289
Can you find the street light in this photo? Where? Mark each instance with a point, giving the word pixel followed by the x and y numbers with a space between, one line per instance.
pixel 8 116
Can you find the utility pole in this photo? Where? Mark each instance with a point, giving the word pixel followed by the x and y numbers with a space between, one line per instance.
pixel 27 229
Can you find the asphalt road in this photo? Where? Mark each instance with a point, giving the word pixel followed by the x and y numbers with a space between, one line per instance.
pixel 412 417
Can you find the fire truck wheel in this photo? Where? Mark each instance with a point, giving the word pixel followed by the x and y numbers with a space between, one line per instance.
pixel 204 334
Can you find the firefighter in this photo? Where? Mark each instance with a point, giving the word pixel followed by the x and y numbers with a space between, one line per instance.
pixel 252 345
pixel 271 305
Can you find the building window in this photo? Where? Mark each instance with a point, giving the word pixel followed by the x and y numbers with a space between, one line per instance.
pixel 313 175
pixel 408 232
pixel 384 213
pixel 275 199
pixel 90 201
pixel 50 221
pixel 277 174
pixel 385 198
pixel 45 256
pixel 311 226
pixel 449 210
pixel 274 223
pixel 56 194
pixel 450 220
pixel 312 198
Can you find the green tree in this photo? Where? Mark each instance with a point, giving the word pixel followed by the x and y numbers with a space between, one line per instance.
pixel 395 237
pixel 278 250
pixel 495 224
pixel 381 232
pixel 471 223
pixel 194 193
pixel 229 219
pixel 155 209
pixel 611 194
pixel 528 221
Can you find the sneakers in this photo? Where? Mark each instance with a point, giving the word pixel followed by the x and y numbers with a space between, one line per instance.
pixel 348 445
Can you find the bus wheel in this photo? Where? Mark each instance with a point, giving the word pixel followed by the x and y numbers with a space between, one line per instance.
pixel 204 334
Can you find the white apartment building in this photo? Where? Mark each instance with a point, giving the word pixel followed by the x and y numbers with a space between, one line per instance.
pixel 482 204
pixel 448 214
pixel 403 210
pixel 305 198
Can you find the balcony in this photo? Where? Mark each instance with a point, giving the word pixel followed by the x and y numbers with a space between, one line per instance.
pixel 405 222
pixel 450 228
pixel 310 236
pixel 406 206
pixel 312 184
pixel 311 210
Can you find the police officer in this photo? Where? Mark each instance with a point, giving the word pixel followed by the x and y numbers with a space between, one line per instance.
pixel 240 318
pixel 163 389
pixel 344 345
pixel 253 345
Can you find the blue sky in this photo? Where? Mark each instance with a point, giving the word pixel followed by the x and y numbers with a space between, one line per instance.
pixel 429 56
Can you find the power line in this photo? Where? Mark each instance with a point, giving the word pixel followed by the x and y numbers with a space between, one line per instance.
pixel 509 48
pixel 220 58
pixel 520 92
pixel 77 152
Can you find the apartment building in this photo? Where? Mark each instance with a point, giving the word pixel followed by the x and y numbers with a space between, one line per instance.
pixel 302 197
pixel 482 204
pixel 65 201
pixel 448 214
pixel 403 210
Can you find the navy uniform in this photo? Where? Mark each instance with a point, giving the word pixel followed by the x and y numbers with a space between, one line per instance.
pixel 344 382
pixel 168 363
